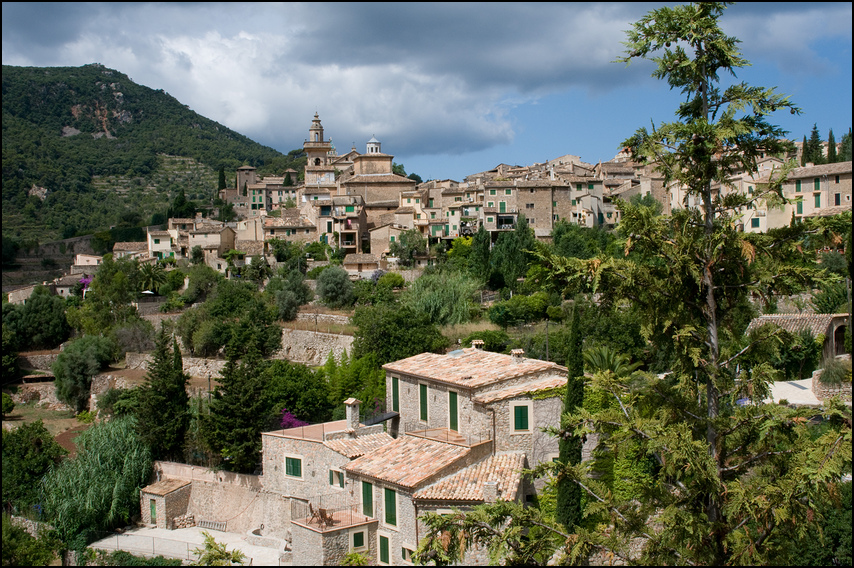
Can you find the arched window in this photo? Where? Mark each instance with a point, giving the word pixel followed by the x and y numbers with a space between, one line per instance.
pixel 317 161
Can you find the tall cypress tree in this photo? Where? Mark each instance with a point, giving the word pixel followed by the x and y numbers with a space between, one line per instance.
pixel 569 492
pixel 163 414
pixel 831 148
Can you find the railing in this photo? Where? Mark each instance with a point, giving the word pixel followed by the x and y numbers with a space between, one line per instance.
pixel 413 428
pixel 328 512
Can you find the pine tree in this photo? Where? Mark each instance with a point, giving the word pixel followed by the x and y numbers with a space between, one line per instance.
pixel 832 156
pixel 238 413
pixel 163 413
pixel 845 147
pixel 813 152
pixel 568 492
pixel 221 181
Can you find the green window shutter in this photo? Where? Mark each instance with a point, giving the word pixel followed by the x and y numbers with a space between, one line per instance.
pixel 367 499
pixel 452 406
pixel 384 550
pixel 798 185
pixel 359 540
pixel 800 208
pixel 490 219
pixel 817 184
pixel 395 394
pixel 331 477
pixel 590 186
pixel 349 209
pixel 818 200
pixel 491 192
pixel 293 467
pixel 508 192
pixel 422 399
pixel 390 507
pixel 754 223
pixel 520 417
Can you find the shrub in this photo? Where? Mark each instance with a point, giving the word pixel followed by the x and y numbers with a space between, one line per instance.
pixel 836 372
pixel 334 287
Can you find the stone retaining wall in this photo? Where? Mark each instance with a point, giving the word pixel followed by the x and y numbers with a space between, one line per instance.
pixel 822 391
pixel 42 362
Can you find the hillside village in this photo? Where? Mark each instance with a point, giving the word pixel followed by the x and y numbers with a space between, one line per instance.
pixel 461 426
pixel 356 203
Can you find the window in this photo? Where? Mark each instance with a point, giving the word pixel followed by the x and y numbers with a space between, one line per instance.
pixel 453 410
pixel 817 200
pixel 798 185
pixel 817 184
pixel 157 241
pixel 384 550
pixel 837 179
pixel 349 208
pixel 408 200
pixel 293 467
pixel 489 219
pixel 390 506
pixel 491 192
pixel 508 192
pixel 837 199
pixel 422 401
pixel 800 208
pixel 358 541
pixel 406 554
pixel 754 223
pixel 336 478
pixel 520 416
pixel 529 206
pixel 395 394
pixel 590 186
pixel 578 187
pixel 750 189
pixel 367 499
pixel 490 204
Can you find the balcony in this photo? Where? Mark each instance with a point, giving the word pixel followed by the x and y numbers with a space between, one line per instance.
pixel 331 512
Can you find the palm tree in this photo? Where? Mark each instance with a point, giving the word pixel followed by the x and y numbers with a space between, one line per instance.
pixel 152 276
pixel 603 358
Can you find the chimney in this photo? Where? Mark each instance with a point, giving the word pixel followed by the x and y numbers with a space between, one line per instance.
pixel 490 491
pixel 477 344
pixel 518 355
pixel 352 405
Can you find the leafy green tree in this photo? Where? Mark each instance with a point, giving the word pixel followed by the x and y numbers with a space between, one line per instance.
pixel 409 244
pixel 29 452
pixel 334 287
pixel 391 333
pixel 197 255
pixel 733 482
pixel 478 258
pixel 519 309
pixel 98 489
pixel 10 357
pixel 238 413
pixel 297 388
pixel 22 549
pixel 40 323
pixel 108 300
pixel 511 254
pixel 163 411
pixel 75 367
pixel 568 508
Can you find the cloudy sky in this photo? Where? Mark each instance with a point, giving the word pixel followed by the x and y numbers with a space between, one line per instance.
pixel 449 89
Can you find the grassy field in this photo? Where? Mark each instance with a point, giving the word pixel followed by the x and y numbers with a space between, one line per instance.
pixel 56 421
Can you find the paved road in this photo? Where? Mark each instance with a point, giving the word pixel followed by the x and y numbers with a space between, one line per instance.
pixel 796 392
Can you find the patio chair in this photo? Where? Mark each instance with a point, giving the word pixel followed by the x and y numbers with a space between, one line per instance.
pixel 314 515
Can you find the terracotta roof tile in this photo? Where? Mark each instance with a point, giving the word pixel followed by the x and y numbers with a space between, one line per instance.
pixel 407 461
pixel 355 447
pixel 471 368
pixel 467 485
pixel 795 323
pixel 165 486
pixel 512 392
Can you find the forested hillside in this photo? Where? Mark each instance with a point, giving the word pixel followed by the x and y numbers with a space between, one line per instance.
pixel 67 129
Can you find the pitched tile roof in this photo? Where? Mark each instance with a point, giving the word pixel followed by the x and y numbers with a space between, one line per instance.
pixel 795 323
pixel 512 392
pixel 467 485
pixel 407 461
pixel 130 246
pixel 471 368
pixel 355 447
pixel 165 486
